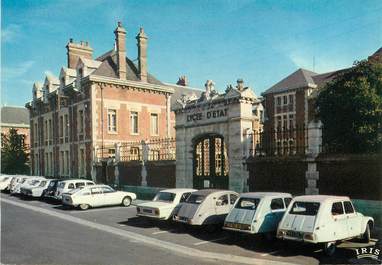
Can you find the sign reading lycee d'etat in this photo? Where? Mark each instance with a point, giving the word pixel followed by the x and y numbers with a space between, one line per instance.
pixel 211 114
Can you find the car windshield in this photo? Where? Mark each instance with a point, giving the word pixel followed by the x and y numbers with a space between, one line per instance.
pixel 52 184
pixel 35 182
pixel 305 208
pixel 247 203
pixel 196 199
pixel 43 183
pixel 164 197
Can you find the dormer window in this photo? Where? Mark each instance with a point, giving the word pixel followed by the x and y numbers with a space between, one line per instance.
pixel 81 72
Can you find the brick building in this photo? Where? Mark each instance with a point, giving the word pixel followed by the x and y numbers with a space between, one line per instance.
pixel 96 103
pixel 289 106
pixel 15 118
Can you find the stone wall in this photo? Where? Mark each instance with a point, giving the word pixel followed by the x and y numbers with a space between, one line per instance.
pixel 282 174
pixel 357 176
pixel 160 174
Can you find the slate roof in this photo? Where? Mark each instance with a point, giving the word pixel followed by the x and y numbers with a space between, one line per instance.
pixel 108 68
pixel 303 77
pixel 181 90
pixel 14 115
pixel 300 78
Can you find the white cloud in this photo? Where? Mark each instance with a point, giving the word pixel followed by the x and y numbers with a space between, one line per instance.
pixel 17 71
pixel 10 33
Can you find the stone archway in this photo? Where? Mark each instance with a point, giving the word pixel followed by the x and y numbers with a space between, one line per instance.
pixel 209 121
pixel 210 162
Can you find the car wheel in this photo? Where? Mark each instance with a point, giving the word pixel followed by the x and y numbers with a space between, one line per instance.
pixel 330 248
pixel 126 201
pixel 366 235
pixel 84 206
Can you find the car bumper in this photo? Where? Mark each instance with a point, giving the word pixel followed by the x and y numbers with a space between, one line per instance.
pixel 152 216
pixel 298 238
pixel 238 230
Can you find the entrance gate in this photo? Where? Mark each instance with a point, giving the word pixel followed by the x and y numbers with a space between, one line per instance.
pixel 210 162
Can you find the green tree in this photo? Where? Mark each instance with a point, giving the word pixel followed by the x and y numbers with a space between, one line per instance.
pixel 350 108
pixel 14 157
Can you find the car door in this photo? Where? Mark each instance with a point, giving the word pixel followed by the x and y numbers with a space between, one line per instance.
pixel 222 207
pixel 339 221
pixel 354 221
pixel 109 196
pixel 273 217
pixel 96 196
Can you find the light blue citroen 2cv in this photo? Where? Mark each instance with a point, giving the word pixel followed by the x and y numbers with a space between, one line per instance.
pixel 258 213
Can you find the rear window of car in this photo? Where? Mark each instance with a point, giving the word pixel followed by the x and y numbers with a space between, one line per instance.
pixel 247 203
pixel 164 197
pixel 89 183
pixel 195 199
pixel 305 208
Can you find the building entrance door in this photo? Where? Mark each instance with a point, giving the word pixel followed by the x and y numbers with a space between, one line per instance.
pixel 210 163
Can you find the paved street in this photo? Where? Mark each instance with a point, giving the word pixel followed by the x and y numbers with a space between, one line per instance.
pixel 41 232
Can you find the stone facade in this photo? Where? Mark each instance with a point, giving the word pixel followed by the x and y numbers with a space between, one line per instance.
pixel 228 116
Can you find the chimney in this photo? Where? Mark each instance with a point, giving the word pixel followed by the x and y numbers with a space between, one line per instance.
pixel 120 41
pixel 77 50
pixel 182 81
pixel 142 55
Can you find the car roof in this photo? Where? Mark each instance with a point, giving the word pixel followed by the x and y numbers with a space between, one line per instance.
pixel 97 186
pixel 82 180
pixel 178 190
pixel 321 198
pixel 207 192
pixel 265 194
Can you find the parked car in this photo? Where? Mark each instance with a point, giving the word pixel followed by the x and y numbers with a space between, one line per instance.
pixel 324 219
pixel 206 207
pixel 21 182
pixel 37 191
pixel 30 183
pixel 4 182
pixel 70 184
pixel 258 212
pixel 16 182
pixel 164 203
pixel 50 191
pixel 97 195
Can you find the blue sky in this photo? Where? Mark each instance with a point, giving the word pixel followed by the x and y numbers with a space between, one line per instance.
pixel 259 41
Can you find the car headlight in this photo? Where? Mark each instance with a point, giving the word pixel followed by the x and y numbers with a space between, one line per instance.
pixel 309 236
pixel 156 211
pixel 281 233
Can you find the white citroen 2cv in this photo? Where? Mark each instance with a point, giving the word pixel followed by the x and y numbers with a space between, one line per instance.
pixel 164 203
pixel 206 207
pixel 258 212
pixel 324 219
